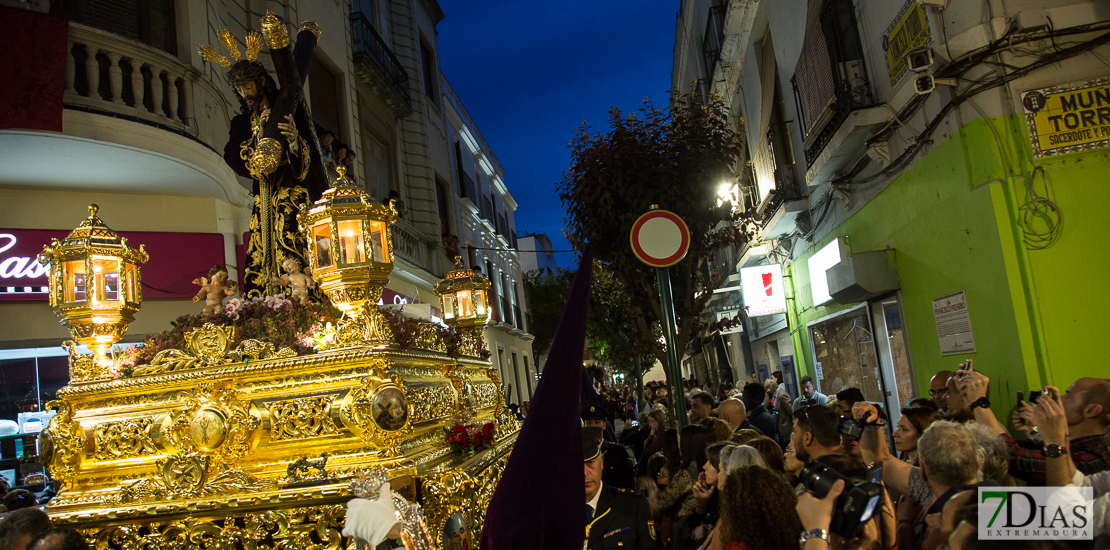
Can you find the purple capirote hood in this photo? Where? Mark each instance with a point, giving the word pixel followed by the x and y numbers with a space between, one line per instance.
pixel 539 502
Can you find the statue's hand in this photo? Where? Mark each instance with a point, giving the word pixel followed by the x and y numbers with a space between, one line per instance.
pixel 289 130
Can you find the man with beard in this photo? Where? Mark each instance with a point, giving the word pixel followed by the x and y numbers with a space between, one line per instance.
pixel 815 435
pixel 273 142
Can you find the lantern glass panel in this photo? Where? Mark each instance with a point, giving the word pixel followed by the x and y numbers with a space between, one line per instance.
pixel 351 247
pixel 106 273
pixel 466 304
pixel 480 301
pixel 377 241
pixel 131 282
pixel 321 237
pixel 76 288
pixel 448 306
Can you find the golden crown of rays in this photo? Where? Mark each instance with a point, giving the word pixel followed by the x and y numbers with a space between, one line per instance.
pixel 253 42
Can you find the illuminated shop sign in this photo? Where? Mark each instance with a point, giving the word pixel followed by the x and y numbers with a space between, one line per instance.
pixel 819 263
pixel 1068 119
pixel 175 260
pixel 762 289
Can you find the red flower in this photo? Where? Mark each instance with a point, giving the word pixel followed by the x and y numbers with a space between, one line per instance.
pixel 488 431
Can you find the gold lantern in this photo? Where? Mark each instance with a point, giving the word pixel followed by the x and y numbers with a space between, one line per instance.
pixel 464 296
pixel 94 287
pixel 350 250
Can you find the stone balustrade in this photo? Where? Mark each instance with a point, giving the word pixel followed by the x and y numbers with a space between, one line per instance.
pixel 420 250
pixel 110 73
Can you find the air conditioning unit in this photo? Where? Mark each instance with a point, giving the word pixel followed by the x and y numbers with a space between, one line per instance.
pixel 852 71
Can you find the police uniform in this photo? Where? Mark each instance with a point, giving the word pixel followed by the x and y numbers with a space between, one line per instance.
pixel 622 518
pixel 620 464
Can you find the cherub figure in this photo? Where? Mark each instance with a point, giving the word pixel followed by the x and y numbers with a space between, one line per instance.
pixel 299 282
pixel 215 290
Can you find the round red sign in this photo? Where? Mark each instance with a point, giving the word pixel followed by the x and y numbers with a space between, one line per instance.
pixel 660 238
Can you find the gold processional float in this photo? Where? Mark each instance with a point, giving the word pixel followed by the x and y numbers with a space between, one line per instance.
pixel 236 444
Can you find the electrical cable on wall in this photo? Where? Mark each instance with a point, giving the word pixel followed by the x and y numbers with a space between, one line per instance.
pixel 1041 220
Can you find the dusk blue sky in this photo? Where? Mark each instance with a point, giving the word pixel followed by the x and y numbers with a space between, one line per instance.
pixel 529 74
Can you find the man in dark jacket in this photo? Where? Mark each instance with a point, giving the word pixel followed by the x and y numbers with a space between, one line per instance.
pixel 758 415
pixel 614 517
pixel 620 464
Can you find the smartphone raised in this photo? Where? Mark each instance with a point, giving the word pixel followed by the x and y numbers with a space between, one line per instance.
pixel 1021 398
pixel 966 365
pixel 875 472
pixel 1034 396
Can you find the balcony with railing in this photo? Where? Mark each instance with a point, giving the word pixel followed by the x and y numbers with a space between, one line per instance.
pixel 774 173
pixel 134 122
pixel 830 81
pixel 378 68
pixel 714 38
pixel 467 187
pixel 420 250
pixel 485 210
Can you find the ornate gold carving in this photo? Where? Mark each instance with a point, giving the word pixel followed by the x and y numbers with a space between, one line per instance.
pixel 124 439
pixel 301 528
pixel 208 346
pixel 207 429
pixel 267 156
pixel 485 394
pixel 228 40
pixel 371 412
pixel 366 328
pixel 62 442
pixel 276 33
pixel 301 469
pixel 506 421
pixel 452 493
pixel 84 368
pixel 214 422
pixel 254 45
pixel 311 27
pixel 188 476
pixel 301 418
pixel 431 402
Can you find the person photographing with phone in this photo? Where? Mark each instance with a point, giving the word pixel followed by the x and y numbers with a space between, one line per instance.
pixel 1084 406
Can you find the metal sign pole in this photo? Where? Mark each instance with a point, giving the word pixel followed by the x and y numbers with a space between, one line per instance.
pixel 667 307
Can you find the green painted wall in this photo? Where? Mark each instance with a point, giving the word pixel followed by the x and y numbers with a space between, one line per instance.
pixel 953 221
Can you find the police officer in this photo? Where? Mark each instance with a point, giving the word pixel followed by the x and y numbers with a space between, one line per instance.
pixel 615 517
pixel 620 464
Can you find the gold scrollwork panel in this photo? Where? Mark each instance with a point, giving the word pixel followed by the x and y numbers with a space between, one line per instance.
pixel 301 418
pixel 308 528
pixel 431 402
pixel 124 439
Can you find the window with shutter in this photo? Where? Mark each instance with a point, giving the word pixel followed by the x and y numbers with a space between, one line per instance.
pixel 325 98
pixel 151 22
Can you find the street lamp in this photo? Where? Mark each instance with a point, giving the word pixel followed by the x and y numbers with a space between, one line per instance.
pixel 351 252
pixel 94 286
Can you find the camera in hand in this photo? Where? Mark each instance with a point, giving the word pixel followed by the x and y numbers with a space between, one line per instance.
pixel 851 428
pixel 853 507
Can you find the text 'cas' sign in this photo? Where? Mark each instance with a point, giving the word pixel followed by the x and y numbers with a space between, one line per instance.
pixel 762 289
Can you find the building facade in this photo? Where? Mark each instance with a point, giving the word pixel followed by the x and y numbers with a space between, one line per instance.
pixel 537 254
pixel 911 164
pixel 139 126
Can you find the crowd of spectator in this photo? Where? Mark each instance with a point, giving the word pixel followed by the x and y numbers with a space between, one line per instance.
pixel 740 474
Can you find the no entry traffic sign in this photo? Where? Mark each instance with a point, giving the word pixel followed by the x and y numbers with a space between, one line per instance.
pixel 660 238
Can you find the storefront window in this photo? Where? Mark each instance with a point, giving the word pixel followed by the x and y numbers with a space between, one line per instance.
pixel 899 354
pixel 845 355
